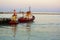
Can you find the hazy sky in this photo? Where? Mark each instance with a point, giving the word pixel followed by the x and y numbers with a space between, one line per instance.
pixel 36 5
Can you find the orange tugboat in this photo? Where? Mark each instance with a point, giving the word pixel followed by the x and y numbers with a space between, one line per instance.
pixel 14 19
pixel 27 18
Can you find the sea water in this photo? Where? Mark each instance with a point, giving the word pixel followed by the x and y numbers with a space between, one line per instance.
pixel 44 27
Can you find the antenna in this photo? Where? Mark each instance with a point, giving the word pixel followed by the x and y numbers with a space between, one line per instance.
pixel 20 10
pixel 29 8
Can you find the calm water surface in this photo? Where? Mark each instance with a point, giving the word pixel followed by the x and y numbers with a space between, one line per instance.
pixel 44 27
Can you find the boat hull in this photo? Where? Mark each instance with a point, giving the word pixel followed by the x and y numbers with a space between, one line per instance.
pixel 13 22
pixel 24 20
pixel 4 21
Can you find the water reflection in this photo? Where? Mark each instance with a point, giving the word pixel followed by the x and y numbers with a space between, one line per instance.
pixel 14 29
pixel 28 29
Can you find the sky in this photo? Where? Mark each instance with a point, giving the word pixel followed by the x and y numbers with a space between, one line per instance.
pixel 36 5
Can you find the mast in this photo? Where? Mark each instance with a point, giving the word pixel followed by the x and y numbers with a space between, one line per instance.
pixel 14 13
pixel 29 9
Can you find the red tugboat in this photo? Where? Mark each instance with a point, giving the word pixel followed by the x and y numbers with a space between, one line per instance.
pixel 27 18
pixel 13 19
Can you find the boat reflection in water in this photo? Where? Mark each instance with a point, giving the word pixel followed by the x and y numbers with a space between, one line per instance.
pixel 14 29
pixel 28 29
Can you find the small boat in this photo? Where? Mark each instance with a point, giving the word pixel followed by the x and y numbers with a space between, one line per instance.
pixel 13 19
pixel 27 18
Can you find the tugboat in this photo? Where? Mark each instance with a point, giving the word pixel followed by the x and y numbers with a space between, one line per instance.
pixel 27 18
pixel 14 19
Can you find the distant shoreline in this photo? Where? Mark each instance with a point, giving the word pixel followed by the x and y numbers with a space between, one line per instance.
pixel 41 13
